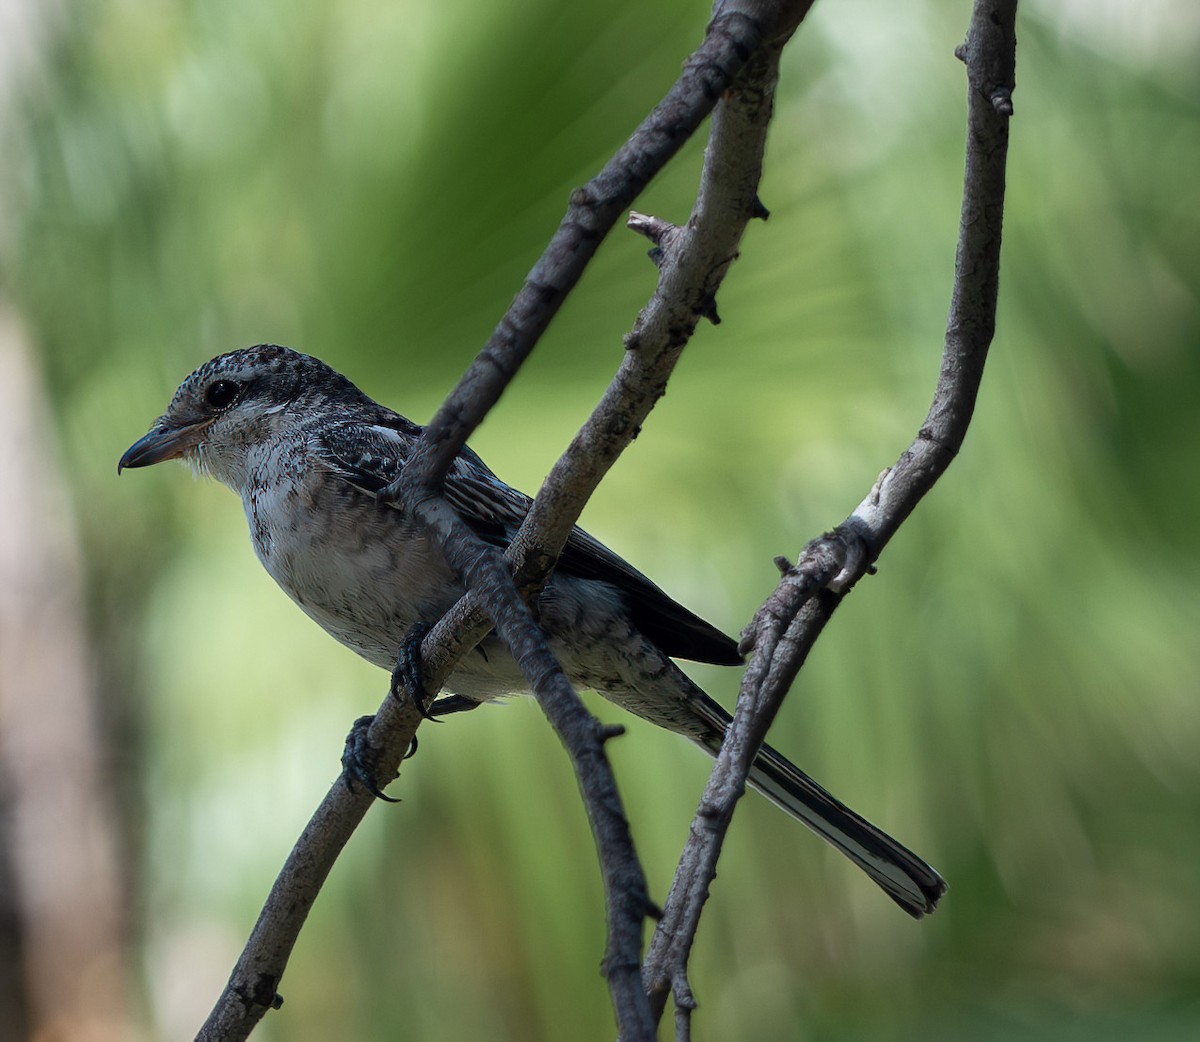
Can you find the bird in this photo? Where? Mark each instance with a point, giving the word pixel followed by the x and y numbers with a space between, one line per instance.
pixel 310 454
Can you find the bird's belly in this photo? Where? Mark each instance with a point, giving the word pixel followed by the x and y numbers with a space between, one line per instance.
pixel 365 575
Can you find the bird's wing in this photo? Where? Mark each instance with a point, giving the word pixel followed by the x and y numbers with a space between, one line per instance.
pixel 371 456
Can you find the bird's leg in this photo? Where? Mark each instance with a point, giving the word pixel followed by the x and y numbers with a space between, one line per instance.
pixel 407 674
pixel 357 757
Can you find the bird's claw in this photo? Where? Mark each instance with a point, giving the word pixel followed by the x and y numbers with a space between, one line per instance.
pixel 407 676
pixel 356 760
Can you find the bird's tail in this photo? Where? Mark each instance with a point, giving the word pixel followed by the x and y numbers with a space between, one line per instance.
pixel 914 885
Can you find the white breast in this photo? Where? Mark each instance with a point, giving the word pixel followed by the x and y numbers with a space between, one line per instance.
pixel 358 569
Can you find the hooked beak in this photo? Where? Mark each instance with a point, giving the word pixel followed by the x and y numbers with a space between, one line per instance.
pixel 162 443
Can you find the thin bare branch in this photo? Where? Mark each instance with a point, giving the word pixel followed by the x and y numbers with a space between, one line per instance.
pixel 690 276
pixel 788 624
pixel 732 39
pixel 253 985
pixel 692 264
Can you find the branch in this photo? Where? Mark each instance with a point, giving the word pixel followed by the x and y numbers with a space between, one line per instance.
pixel 693 261
pixel 732 39
pixel 788 624
pixel 697 272
pixel 253 984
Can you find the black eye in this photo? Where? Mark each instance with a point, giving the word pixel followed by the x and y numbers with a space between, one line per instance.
pixel 221 393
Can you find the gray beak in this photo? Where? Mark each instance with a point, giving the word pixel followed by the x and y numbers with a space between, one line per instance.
pixel 162 443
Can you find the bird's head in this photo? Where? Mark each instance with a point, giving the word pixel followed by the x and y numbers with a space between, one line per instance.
pixel 230 405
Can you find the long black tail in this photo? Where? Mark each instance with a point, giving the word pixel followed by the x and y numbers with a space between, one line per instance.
pixel 914 885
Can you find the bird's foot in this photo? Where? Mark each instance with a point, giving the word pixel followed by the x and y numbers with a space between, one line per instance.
pixel 407 676
pixel 358 757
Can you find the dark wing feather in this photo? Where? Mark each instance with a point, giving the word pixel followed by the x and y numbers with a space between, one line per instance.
pixel 371 456
pixel 677 631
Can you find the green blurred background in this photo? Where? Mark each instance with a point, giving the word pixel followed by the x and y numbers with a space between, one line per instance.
pixel 1015 695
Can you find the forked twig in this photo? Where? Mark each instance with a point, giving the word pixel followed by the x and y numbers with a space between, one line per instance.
pixel 788 624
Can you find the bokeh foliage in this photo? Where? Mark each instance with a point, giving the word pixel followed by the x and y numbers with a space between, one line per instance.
pixel 1014 695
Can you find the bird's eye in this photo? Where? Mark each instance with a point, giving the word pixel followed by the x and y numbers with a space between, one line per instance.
pixel 221 393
